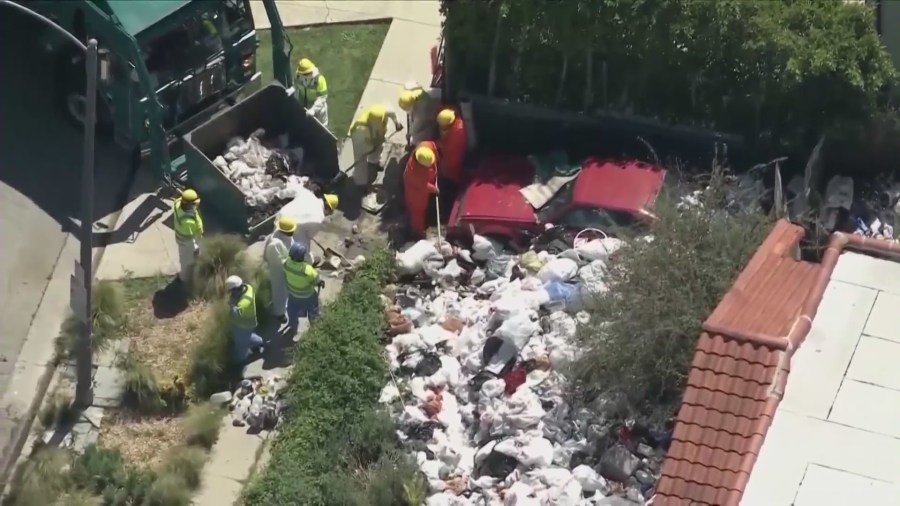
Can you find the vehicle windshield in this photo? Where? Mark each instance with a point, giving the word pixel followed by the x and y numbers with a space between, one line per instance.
pixel 179 51
pixel 556 203
pixel 238 19
pixel 581 217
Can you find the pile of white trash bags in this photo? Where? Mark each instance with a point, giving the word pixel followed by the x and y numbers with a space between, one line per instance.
pixel 258 171
pixel 484 431
pixel 255 403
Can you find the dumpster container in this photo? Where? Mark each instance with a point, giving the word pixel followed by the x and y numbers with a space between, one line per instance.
pixel 278 113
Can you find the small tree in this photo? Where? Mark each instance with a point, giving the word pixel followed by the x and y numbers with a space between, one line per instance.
pixel 641 336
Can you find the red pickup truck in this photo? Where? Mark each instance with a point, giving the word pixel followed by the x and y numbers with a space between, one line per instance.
pixel 605 193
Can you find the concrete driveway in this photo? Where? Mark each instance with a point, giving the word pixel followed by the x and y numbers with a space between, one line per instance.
pixel 40 161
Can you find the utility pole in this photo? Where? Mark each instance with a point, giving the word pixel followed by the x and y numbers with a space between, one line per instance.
pixel 84 393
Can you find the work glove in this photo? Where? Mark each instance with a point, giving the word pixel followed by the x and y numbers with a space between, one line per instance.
pixel 320 283
pixel 398 127
pixel 309 113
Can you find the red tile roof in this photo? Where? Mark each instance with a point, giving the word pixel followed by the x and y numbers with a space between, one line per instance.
pixel 740 368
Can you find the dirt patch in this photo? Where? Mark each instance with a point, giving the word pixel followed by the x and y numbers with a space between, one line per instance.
pixel 142 440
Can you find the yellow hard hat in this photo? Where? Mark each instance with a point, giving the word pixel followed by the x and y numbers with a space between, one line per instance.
pixel 331 200
pixel 190 195
pixel 377 112
pixel 407 99
pixel 287 224
pixel 305 65
pixel 425 156
pixel 445 118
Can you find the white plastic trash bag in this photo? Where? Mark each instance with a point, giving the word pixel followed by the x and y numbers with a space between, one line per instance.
pixel 591 278
pixel 482 248
pixel 558 269
pixel 599 249
pixel 413 260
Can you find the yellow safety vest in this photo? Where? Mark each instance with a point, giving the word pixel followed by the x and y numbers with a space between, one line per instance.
pixel 376 134
pixel 246 309
pixel 301 278
pixel 188 224
pixel 308 94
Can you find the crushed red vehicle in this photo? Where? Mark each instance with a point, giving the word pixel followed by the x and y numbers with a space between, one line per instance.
pixel 606 193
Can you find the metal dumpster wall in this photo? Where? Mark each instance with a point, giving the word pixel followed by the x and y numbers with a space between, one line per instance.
pixel 273 110
pixel 525 129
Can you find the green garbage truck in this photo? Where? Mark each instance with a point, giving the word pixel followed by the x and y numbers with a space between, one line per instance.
pixel 167 66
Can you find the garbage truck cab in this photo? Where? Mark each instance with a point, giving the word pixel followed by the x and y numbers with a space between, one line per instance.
pixel 166 65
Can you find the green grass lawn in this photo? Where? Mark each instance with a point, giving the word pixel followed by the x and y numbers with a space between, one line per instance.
pixel 345 54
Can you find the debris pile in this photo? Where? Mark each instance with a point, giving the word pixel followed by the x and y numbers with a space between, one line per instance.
pixel 480 347
pixel 263 170
pixel 256 402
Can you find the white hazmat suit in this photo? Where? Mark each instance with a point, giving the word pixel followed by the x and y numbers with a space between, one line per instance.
pixel 308 211
pixel 277 246
pixel 422 124
pixel 368 137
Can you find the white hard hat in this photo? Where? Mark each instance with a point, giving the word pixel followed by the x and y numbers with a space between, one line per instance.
pixel 233 282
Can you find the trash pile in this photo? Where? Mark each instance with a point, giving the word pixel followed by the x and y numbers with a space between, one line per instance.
pixel 867 207
pixel 256 402
pixel 480 347
pixel 262 170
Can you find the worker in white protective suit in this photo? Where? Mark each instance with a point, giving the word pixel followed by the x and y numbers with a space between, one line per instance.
pixel 278 244
pixel 421 106
pixel 367 133
pixel 188 227
pixel 312 90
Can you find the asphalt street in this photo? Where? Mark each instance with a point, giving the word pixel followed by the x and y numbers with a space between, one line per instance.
pixel 40 164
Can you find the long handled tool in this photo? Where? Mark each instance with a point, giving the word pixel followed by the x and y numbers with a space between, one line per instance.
pixel 437 211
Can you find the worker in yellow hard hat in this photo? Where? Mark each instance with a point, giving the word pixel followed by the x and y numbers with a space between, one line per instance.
pixel 276 250
pixel 330 202
pixel 420 106
pixel 188 225
pixel 452 144
pixel 312 90
pixel 367 133
pixel 419 184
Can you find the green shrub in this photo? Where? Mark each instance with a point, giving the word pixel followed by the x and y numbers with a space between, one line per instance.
pixel 221 255
pixel 142 390
pixel 201 424
pixel 108 319
pixel 186 462
pixel 333 431
pixel 641 337
pixel 263 290
pixel 132 490
pixel 78 498
pixel 43 478
pixel 168 490
pixel 98 469
pixel 211 369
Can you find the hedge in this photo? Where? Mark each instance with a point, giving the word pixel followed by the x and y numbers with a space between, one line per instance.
pixel 780 70
pixel 334 446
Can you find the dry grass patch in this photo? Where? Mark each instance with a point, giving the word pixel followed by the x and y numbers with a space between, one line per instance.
pixel 161 340
pixel 164 345
pixel 142 440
